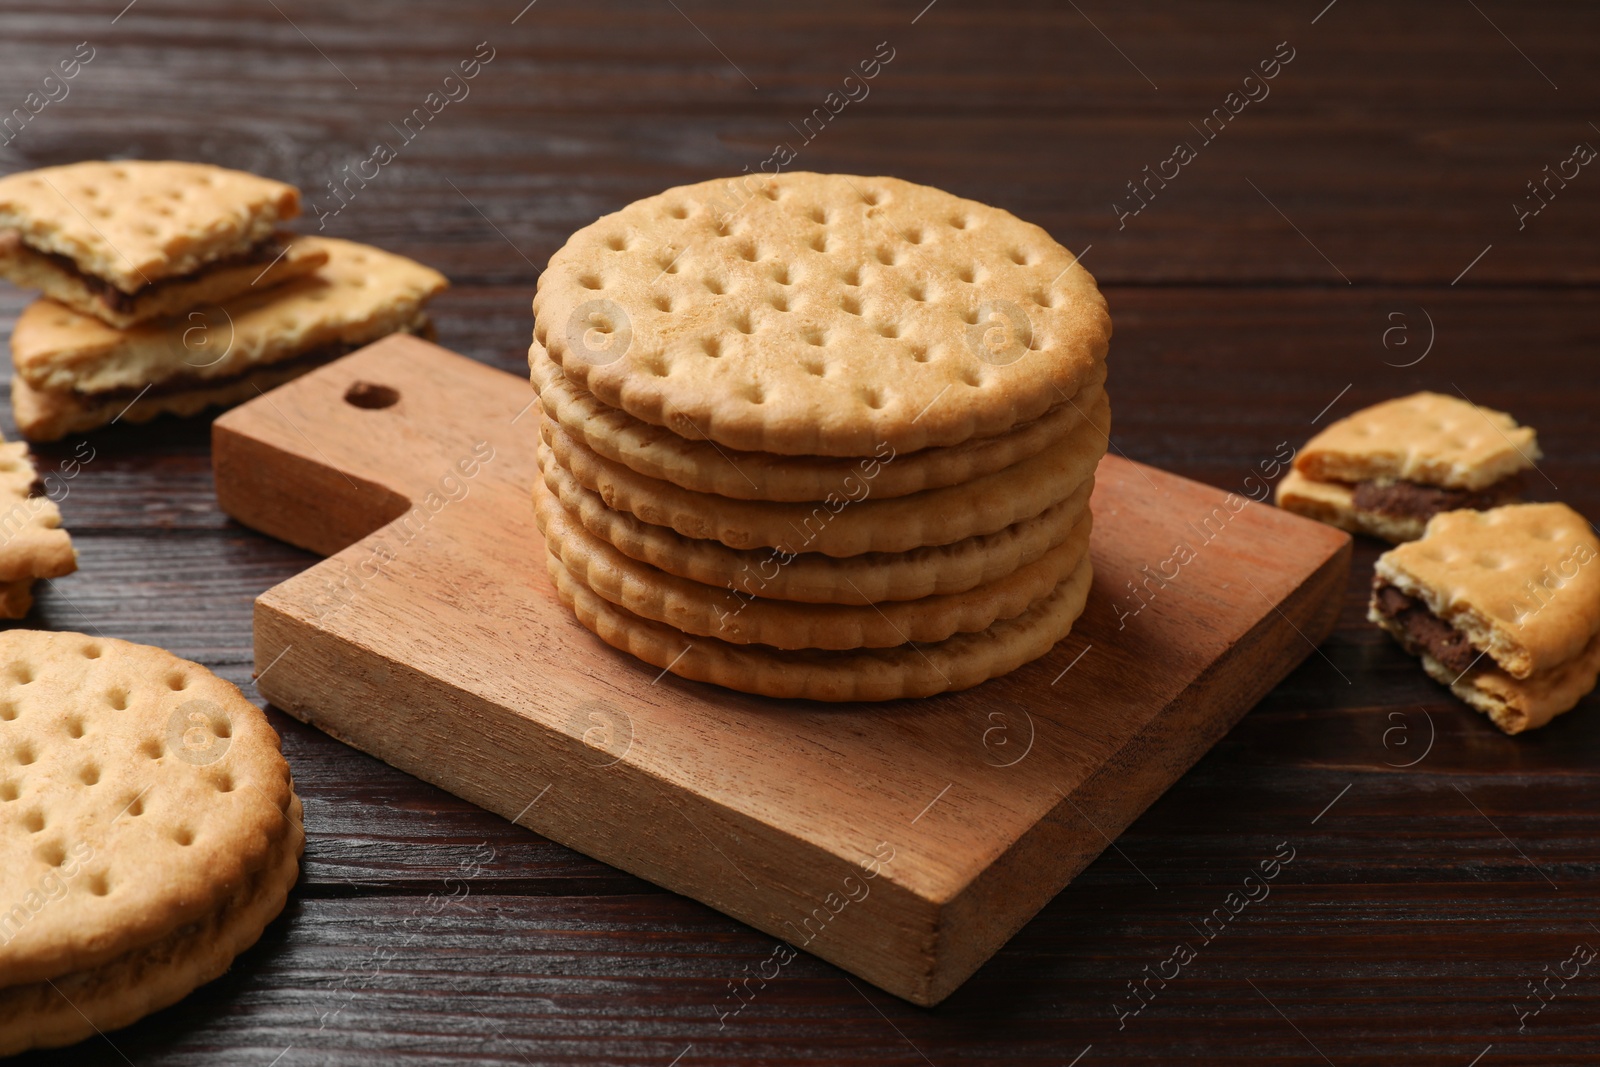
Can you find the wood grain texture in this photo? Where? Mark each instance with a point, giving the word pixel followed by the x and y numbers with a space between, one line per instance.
pixel 430 641
pixel 1400 136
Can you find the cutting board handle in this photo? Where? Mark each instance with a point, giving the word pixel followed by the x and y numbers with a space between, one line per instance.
pixel 336 455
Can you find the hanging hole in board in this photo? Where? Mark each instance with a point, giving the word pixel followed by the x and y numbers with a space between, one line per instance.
pixel 371 396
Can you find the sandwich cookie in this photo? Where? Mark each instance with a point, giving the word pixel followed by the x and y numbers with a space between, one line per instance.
pixel 150 827
pixel 133 240
pixel 1388 469
pixel 1502 606
pixel 74 373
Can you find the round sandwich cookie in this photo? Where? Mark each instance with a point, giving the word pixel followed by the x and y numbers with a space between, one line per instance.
pixel 707 467
pixel 150 826
pixel 958 662
pixel 813 578
pixel 821 314
pixel 697 608
pixel 848 525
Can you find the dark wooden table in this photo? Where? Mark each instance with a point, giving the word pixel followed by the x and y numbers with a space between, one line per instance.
pixel 1351 235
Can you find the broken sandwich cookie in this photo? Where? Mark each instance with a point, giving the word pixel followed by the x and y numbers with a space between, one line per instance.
pixel 1388 469
pixel 130 241
pixel 74 373
pixel 32 543
pixel 1503 606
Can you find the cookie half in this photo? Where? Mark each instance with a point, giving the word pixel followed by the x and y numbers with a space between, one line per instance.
pixel 132 223
pixel 821 314
pixel 1426 438
pixel 32 542
pixel 1389 468
pixel 1502 605
pixel 263 265
pixel 50 416
pixel 359 294
pixel 81 373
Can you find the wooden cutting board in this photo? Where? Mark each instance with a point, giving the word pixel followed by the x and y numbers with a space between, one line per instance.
pixel 905 842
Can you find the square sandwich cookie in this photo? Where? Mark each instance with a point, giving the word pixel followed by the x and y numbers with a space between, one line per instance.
pixel 131 241
pixel 75 373
pixel 1388 469
pixel 1503 606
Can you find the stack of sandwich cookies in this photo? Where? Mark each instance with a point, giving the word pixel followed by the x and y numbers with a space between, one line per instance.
pixel 73 372
pixel 132 241
pixel 1503 606
pixel 1388 469
pixel 150 827
pixel 32 543
pixel 820 436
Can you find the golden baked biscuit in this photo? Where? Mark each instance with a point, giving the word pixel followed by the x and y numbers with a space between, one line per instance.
pixel 821 314
pixel 1501 605
pixel 150 827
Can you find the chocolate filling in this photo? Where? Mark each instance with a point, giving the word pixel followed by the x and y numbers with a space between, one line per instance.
pixel 1423 631
pixel 115 299
pixel 181 383
pixel 1408 500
